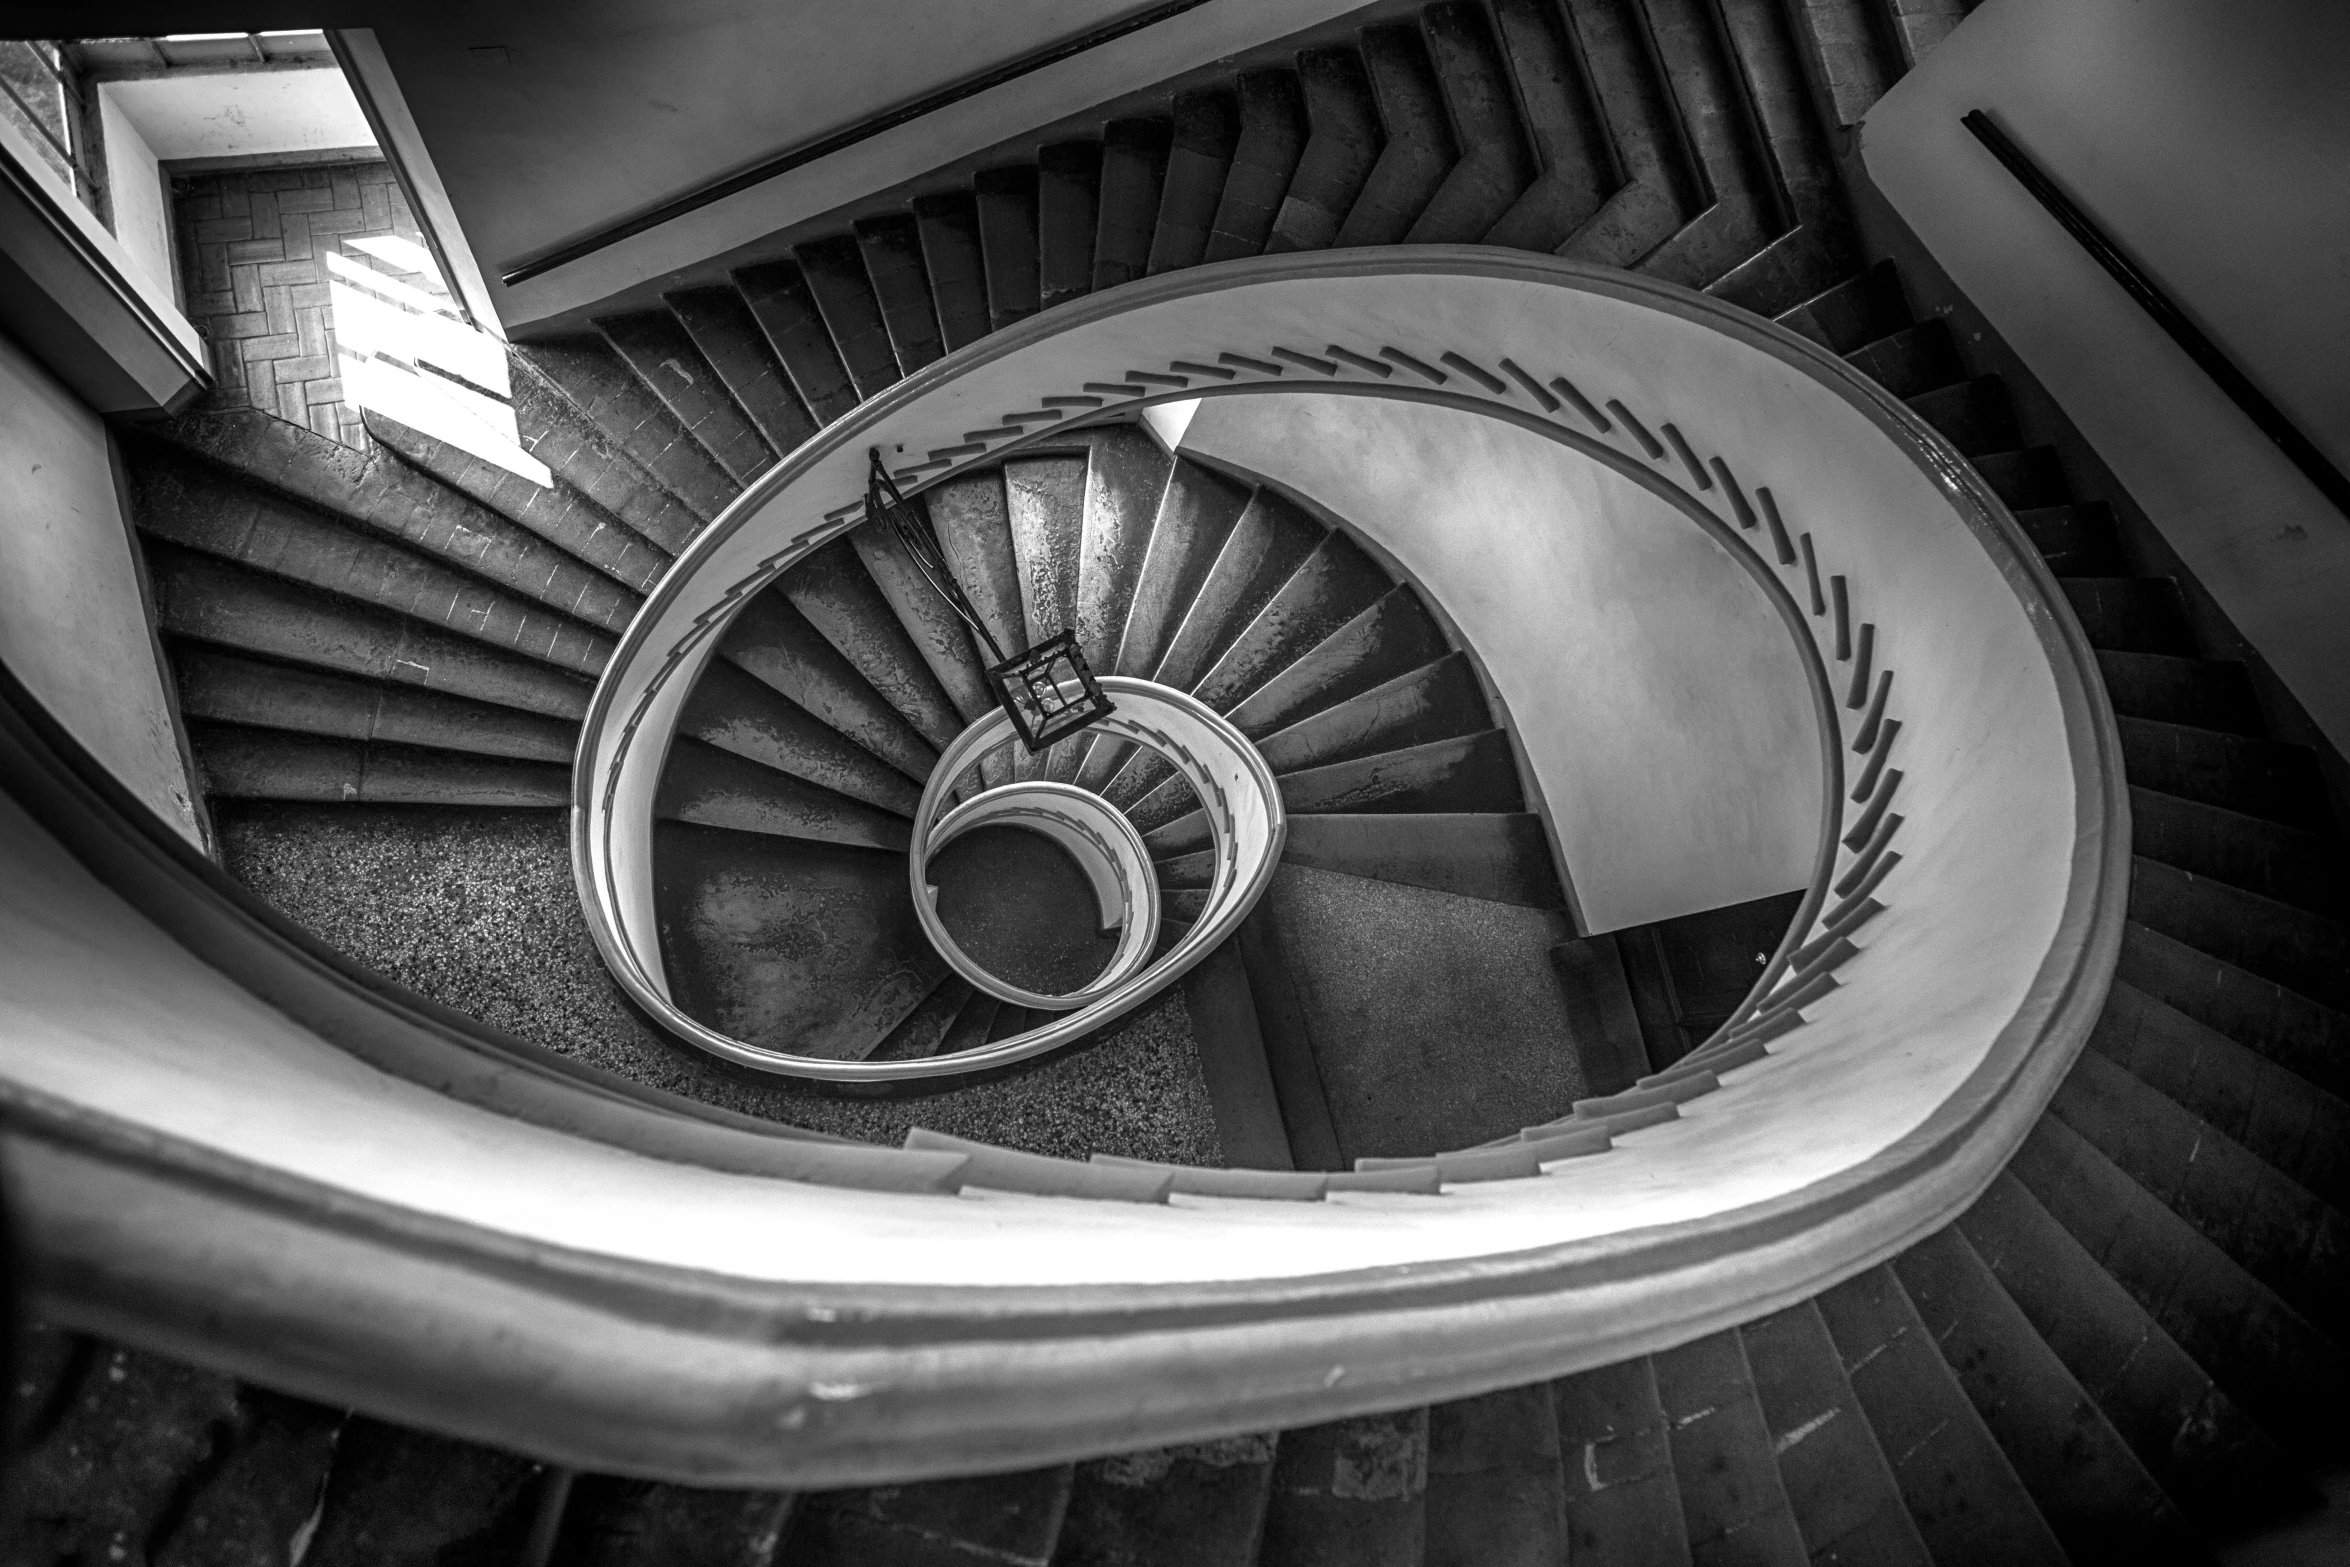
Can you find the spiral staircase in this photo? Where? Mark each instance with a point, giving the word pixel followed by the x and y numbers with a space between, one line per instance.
pixel 2118 1349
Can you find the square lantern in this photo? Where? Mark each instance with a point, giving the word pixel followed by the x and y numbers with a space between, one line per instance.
pixel 1048 691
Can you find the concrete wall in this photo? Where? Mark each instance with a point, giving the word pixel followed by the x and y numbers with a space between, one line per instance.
pixel 2209 141
pixel 73 617
pixel 1661 706
pixel 142 210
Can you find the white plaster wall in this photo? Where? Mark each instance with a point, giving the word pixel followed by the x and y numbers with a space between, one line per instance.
pixel 232 114
pixel 73 622
pixel 142 213
pixel 1660 701
pixel 2212 142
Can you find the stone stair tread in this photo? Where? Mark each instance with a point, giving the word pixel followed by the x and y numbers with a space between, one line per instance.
pixel 891 246
pixel 1962 1492
pixel 2075 540
pixel 1206 129
pixel 2131 614
pixel 601 387
pixel 1352 1493
pixel 609 1521
pixel 585 460
pixel 1722 1456
pixel 2194 693
pixel 2096 1496
pixel 2287 864
pixel 2290 1123
pixel 239 763
pixel 1126 478
pixel 2305 1037
pixel 1260 553
pixel 791 944
pixel 2240 773
pixel 834 593
pixel 2268 1358
pixel 1839 1488
pixel 1009 1519
pixel 664 357
pixel 1496 163
pixel 2271 1225
pixel 1434 702
pixel 2203 1451
pixel 703 784
pixel 1068 187
pixel 1910 361
pixel 1334 583
pixel 773 642
pixel 1569 143
pixel 1623 1506
pixel 1264 158
pixel 948 223
pixel 221 686
pixel 740 713
pixel 2292 946
pixel 720 323
pixel 1418 150
pixel 784 305
pixel 1393 637
pixel 1133 173
pixel 1343 138
pixel 1853 313
pixel 1200 1504
pixel 1496 1488
pixel 843 295
pixel 1007 241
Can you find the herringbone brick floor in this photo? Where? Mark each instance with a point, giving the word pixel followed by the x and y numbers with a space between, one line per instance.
pixel 253 249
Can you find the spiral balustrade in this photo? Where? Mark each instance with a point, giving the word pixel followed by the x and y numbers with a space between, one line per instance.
pixel 267 1166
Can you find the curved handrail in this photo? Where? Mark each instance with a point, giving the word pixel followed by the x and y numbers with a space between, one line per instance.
pixel 201 1169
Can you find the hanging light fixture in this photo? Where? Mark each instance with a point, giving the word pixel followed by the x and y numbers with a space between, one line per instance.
pixel 1047 691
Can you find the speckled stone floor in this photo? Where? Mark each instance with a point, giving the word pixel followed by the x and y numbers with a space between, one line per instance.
pixel 476 909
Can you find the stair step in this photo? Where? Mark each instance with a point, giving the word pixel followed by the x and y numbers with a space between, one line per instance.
pixel 1722 1456
pixel 1911 361
pixel 1495 164
pixel 1352 1493
pixel 772 640
pixel 783 304
pixel 211 600
pixel 1393 637
pixel 273 764
pixel 1496 1491
pixel 714 788
pixel 1623 1505
pixel 2023 480
pixel 2303 869
pixel 394 1493
pixel 2267 1356
pixel 1331 586
pixel 1263 550
pixel 2286 1121
pixel 658 350
pixel 1500 858
pixel 835 594
pixel 1472 773
pixel 730 339
pixel 2131 614
pixel 1207 128
pixel 388 498
pixel 2257 777
pixel 1974 416
pixel 612 1522
pixel 1197 513
pixel 2096 1496
pixel 1134 171
pixel 844 299
pixel 1561 121
pixel 224 688
pixel 737 712
pixel 1068 185
pixel 199 507
pixel 1960 1489
pixel 891 246
pixel 1342 146
pixel 1718 125
pixel 972 520
pixel 1007 241
pixel 1419 148
pixel 1009 1519
pixel 1839 1487
pixel 973 1026
pixel 1045 514
pixel 948 223
pixel 924 1029
pixel 794 945
pixel 585 460
pixel 2199 1447
pixel 1125 486
pixel 1435 702
pixel 2195 693
pixel 558 513
pixel 2275 1228
pixel 1272 139
pixel 1854 313
pixel 2305 1037
pixel 599 384
pixel 935 631
pixel 2289 945
pixel 2076 541
pixel 1198 1505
